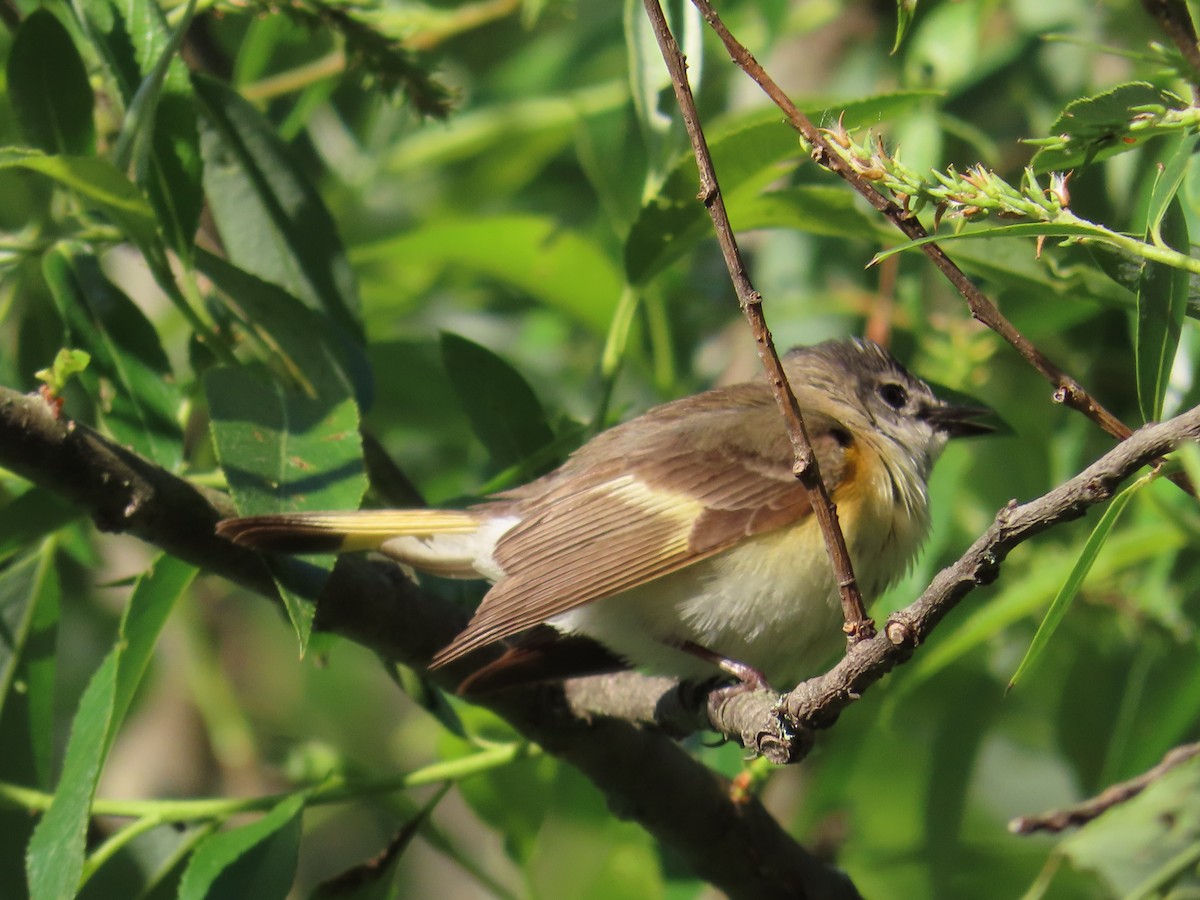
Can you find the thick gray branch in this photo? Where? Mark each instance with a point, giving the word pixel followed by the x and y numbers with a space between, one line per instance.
pixel 736 845
pixel 782 728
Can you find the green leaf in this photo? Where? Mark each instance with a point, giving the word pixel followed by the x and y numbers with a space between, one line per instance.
pixel 28 721
pixel 1097 127
pixel 504 411
pixel 748 154
pixel 135 42
pixel 905 10
pixel 257 860
pixel 1144 846
pixel 125 351
pixel 1162 299
pixel 814 209
pixel 1166 185
pixel 23 587
pixel 1026 229
pixel 283 452
pixel 1024 597
pixel 67 364
pixel 1071 587
pixel 301 339
pixel 98 181
pixel 273 222
pixel 555 266
pixel 49 87
pixel 54 860
pixel 35 513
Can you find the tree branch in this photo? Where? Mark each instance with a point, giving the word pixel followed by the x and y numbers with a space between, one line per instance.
pixel 1082 813
pixel 645 776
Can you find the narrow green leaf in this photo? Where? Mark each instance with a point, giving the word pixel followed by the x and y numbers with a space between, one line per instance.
pixel 285 452
pixel 32 515
pixel 99 182
pixel 1026 229
pixel 133 37
pixel 152 601
pixel 126 351
pixel 49 88
pixel 504 411
pixel 301 339
pixel 272 220
pixel 905 10
pixel 54 860
pixel 1166 185
pixel 1083 565
pixel 23 585
pixel 27 723
pixel 1162 299
pixel 257 860
pixel 557 267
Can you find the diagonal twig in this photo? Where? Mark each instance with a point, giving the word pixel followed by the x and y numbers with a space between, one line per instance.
pixel 857 624
pixel 1082 813
pixel 1066 389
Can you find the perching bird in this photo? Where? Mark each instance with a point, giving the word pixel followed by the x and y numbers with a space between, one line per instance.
pixel 681 540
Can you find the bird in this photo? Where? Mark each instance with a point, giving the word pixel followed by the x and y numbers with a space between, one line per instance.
pixel 680 541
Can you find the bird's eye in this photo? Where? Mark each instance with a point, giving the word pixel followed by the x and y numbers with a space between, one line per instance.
pixel 894 395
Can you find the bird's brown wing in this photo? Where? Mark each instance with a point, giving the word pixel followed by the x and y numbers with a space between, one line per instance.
pixel 580 540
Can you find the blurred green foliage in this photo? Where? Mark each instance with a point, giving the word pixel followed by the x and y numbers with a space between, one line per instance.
pixel 273 225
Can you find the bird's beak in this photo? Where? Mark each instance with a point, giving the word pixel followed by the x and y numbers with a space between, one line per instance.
pixel 961 420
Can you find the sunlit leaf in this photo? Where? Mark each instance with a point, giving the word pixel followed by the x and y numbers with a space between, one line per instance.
pixel 1162 299
pixel 54 859
pixel 284 452
pixel 1071 587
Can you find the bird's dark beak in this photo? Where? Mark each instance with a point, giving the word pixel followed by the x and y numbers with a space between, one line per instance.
pixel 961 420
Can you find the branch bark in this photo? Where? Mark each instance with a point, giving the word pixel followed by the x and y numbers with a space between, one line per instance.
pixel 645 776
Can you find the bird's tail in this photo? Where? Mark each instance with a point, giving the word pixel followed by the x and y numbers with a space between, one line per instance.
pixel 344 532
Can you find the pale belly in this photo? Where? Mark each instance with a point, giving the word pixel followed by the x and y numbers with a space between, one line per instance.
pixel 770 602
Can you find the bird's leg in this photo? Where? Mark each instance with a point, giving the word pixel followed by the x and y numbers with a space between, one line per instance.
pixel 751 679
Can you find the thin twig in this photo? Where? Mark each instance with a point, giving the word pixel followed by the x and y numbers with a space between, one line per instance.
pixel 857 625
pixel 1066 389
pixel 1082 813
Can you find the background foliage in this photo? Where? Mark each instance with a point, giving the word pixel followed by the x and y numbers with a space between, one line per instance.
pixel 470 231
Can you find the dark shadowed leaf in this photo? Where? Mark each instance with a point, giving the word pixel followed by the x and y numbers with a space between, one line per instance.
pixel 136 44
pixel 49 88
pixel 257 860
pixel 272 221
pixel 504 411
pixel 140 402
